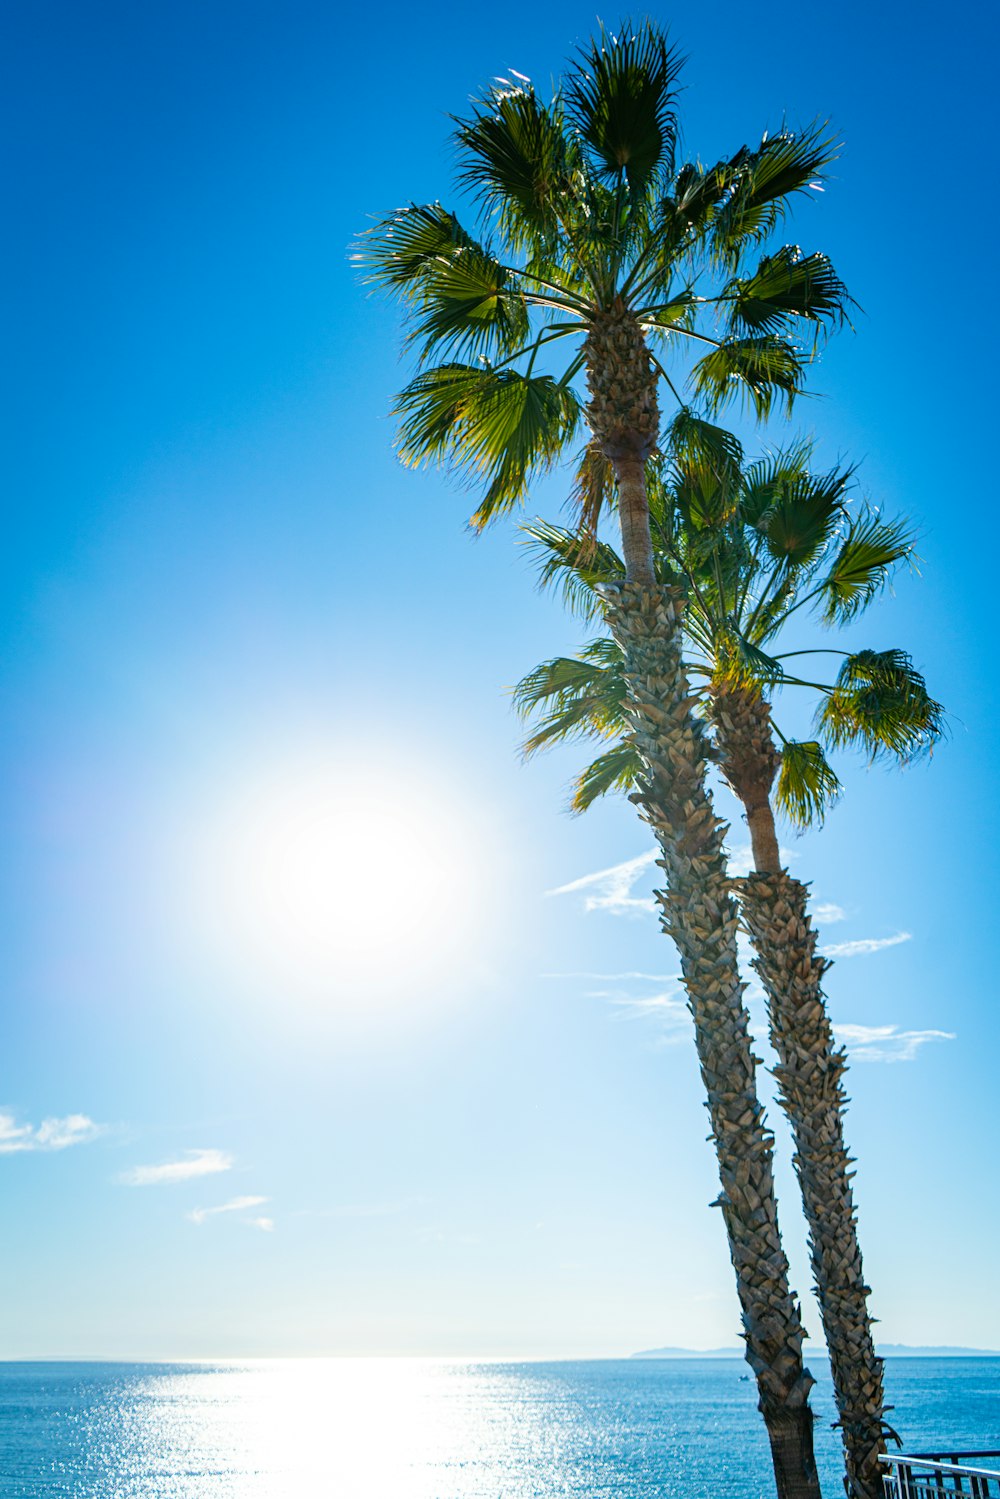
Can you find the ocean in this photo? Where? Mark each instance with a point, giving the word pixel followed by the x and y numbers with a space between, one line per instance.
pixel 424 1429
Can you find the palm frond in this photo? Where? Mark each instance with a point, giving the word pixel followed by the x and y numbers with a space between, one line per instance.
pixel 618 769
pixel 621 96
pixel 880 704
pixel 396 253
pixel 868 555
pixel 740 663
pixel 786 286
pixel 498 428
pixel 768 477
pixel 576 563
pixel 784 164
pixel 594 488
pixel 804 517
pixel 761 370
pixel 583 696
pixel 513 159
pixel 471 304
pixel 807 785
pixel 694 442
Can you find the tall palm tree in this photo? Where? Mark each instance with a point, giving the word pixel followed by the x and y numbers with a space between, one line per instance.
pixel 654 278
pixel 750 546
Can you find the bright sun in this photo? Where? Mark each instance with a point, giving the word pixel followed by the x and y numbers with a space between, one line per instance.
pixel 332 873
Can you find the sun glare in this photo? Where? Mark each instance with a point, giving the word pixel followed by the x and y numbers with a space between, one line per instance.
pixel 332 873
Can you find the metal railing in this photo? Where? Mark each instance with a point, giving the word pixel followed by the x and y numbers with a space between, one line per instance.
pixel 938 1475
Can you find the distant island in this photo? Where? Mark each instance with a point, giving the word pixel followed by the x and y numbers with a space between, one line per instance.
pixel 885 1350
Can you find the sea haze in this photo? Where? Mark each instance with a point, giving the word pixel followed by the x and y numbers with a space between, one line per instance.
pixel 421 1429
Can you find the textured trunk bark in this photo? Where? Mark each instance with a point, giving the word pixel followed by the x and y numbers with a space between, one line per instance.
pixel 633 512
pixel 810 1091
pixel 700 916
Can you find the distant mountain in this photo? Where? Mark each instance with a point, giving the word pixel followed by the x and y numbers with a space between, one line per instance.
pixel 887 1350
pixel 906 1350
pixel 689 1353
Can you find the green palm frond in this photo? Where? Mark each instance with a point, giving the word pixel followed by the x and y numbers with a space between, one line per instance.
pixel 769 477
pixel 880 704
pixel 799 525
pixel 695 443
pixel 762 370
pixel 515 158
pixel 868 555
pixel 575 562
pixel 618 769
pixel 622 97
pixel 807 785
pixel 740 663
pixel 396 253
pixel 784 164
pixel 497 427
pixel 786 286
pixel 583 696
pixel 471 304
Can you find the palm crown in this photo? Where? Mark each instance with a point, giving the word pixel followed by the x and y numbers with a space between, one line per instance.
pixel 749 545
pixel 592 233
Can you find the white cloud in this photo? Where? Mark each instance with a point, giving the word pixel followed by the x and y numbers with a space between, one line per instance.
pixel 51 1134
pixel 194 1163
pixel 237 1205
pixel 885 1043
pixel 667 1008
pixel 611 889
pixel 266 1225
pixel 828 912
pixel 863 945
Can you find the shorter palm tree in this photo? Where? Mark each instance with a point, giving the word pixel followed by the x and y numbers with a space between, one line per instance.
pixel 748 547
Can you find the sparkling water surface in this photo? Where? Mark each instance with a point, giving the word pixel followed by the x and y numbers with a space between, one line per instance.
pixel 416 1429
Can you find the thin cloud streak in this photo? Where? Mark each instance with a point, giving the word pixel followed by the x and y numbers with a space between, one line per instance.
pixel 195 1163
pixel 862 946
pixel 51 1134
pixel 610 889
pixel 886 1043
pixel 238 1205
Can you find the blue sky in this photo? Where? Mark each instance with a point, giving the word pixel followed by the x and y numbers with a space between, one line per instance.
pixel 247 656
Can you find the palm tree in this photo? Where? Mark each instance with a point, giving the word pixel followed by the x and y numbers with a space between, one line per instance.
pixel 654 278
pixel 750 546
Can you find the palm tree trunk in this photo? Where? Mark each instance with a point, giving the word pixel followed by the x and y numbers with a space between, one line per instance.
pixel 699 914
pixel 810 1091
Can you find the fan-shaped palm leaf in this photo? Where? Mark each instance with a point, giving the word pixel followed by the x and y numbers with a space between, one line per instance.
pixel 869 553
pixel 786 286
pixel 880 704
pixel 807 785
pixel 498 427
pixel 618 769
pixel 784 164
pixel 760 370
pixel 622 97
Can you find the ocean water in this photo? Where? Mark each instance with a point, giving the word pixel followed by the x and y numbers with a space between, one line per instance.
pixel 416 1429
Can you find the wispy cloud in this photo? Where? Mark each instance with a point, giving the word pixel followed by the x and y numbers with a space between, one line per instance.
pixel 51 1134
pixel 886 1043
pixel 237 1205
pixel 193 1163
pixel 266 1225
pixel 611 889
pixel 861 946
pixel 666 1008
pixel 828 912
